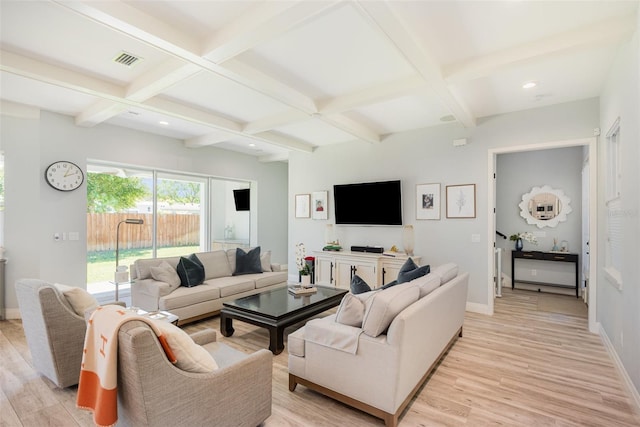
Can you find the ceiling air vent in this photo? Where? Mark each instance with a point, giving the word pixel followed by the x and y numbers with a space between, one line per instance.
pixel 127 59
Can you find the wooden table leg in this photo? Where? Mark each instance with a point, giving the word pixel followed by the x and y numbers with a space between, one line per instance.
pixel 276 340
pixel 226 325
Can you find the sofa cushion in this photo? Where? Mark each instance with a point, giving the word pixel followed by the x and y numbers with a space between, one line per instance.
pixel 427 283
pixel 265 261
pixel 383 306
pixel 248 262
pixel 410 271
pixel 269 278
pixel 351 311
pixel 358 286
pixel 143 266
pixel 446 272
pixel 167 274
pixel 79 299
pixel 190 356
pixel 232 285
pixel 184 297
pixel 216 264
pixel 190 270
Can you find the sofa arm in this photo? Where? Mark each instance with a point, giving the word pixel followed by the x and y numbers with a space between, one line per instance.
pixel 279 267
pixel 204 337
pixel 145 293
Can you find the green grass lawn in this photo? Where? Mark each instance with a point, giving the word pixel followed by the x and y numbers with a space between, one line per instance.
pixel 102 265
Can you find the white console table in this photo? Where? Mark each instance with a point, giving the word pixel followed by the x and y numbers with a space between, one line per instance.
pixel 338 268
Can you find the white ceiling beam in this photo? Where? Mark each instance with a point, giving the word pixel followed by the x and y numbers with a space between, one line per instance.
pixel 270 158
pixel 99 112
pixel 209 139
pixel 194 115
pixel 388 21
pixel 283 141
pixel 116 16
pixel 260 24
pixel 132 22
pixel 276 120
pixel 606 32
pixel 349 126
pixel 143 88
pixel 155 82
pixel 58 76
pixel 371 95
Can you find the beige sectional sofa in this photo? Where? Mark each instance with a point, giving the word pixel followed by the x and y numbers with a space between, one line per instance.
pixel 379 366
pixel 219 286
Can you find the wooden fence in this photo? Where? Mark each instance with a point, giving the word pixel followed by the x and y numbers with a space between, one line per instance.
pixel 173 230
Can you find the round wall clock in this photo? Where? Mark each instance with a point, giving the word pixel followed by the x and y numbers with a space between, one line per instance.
pixel 64 176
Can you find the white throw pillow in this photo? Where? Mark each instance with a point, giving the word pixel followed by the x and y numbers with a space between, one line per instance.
pixel 265 261
pixel 167 274
pixel 190 356
pixel 383 306
pixel 446 271
pixel 79 299
pixel 427 284
pixel 351 311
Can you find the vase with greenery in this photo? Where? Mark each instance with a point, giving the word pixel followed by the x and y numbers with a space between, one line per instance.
pixel 304 270
pixel 520 237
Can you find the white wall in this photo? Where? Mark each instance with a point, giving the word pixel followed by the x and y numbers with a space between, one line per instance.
pixel 517 174
pixel 427 156
pixel 619 310
pixel 34 211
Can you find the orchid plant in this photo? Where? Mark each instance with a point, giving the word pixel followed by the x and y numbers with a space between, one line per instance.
pixel 528 236
pixel 303 267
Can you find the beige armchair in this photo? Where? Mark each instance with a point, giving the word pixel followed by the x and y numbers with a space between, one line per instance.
pixel 154 392
pixel 54 332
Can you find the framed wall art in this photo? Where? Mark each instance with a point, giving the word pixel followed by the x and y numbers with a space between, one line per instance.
pixel 320 209
pixel 428 201
pixel 461 201
pixel 302 205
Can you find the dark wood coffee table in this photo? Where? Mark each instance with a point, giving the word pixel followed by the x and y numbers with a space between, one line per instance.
pixel 276 309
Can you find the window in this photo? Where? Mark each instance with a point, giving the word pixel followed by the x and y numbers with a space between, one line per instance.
pixel 613 255
pixel 182 214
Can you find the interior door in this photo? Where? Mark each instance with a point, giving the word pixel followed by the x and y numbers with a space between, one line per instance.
pixel 585 228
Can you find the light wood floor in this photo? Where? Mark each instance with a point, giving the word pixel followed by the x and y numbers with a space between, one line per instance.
pixel 527 365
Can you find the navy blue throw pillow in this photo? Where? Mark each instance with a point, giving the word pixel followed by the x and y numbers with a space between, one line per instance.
pixel 248 262
pixel 410 271
pixel 358 286
pixel 190 270
pixel 390 284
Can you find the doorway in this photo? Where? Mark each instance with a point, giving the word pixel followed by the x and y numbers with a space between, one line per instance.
pixel 590 143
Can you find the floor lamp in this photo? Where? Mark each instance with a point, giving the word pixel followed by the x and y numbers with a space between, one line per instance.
pixel 126 221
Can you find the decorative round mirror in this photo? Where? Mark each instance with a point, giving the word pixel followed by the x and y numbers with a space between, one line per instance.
pixel 544 206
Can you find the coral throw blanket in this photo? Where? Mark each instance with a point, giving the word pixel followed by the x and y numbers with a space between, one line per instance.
pixel 97 388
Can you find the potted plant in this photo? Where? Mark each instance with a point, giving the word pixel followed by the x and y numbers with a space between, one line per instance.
pixel 519 237
pixel 304 270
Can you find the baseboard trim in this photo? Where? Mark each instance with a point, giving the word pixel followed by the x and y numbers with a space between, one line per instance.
pixel 475 307
pixel 626 379
pixel 12 313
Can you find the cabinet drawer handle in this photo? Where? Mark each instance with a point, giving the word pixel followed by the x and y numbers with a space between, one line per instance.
pixel 559 257
pixel 527 255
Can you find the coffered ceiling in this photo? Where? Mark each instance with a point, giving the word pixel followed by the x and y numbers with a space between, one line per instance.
pixel 268 77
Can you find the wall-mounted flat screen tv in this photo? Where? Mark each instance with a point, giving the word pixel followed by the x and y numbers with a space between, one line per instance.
pixel 369 203
pixel 241 198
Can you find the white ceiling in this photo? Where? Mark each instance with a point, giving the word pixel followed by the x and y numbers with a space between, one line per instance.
pixel 268 77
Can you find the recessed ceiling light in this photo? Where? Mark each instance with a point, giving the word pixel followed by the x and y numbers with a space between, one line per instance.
pixel 529 85
pixel 447 118
pixel 163 123
pixel 252 145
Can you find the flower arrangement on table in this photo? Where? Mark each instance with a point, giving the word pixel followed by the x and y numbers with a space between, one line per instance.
pixel 519 237
pixel 303 267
